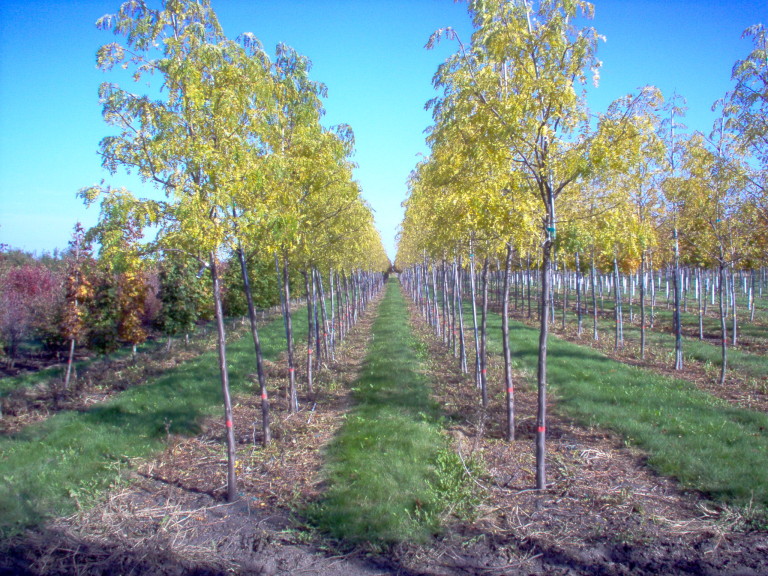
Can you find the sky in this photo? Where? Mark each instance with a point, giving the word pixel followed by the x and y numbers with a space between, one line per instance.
pixel 369 53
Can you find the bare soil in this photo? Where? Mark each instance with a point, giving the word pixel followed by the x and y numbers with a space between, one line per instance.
pixel 604 513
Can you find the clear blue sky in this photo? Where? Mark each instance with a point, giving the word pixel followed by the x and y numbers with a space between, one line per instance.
pixel 371 55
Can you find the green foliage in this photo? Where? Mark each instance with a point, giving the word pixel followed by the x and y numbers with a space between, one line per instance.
pixel 102 313
pixel 183 296
pixel 263 280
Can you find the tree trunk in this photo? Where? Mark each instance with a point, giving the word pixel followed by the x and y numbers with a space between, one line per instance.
pixel 593 273
pixel 310 329
pixel 734 339
pixel 222 349
pixel 324 311
pixel 676 315
pixel 642 304
pixel 723 324
pixel 508 384
pixel 293 400
pixel 541 413
pixel 438 329
pixel 528 282
pixel 266 433
pixel 619 335
pixel 483 337
pixel 579 311
pixel 700 300
pixel 460 311
pixel 70 359
pixel 473 293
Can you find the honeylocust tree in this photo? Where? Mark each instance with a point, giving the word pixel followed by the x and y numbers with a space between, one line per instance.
pixel 711 198
pixel 746 113
pixel 189 133
pixel 542 57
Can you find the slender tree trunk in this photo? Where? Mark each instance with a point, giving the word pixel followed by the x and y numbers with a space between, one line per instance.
pixel 438 329
pixel 460 307
pixel 528 281
pixel 700 298
pixel 619 336
pixel 579 311
pixel 564 277
pixel 222 349
pixel 266 433
pixel 642 305
pixel 473 292
pixel 293 400
pixel 593 280
pixel 318 353
pixel 653 293
pixel 483 337
pixel 541 413
pixel 677 325
pixel 723 324
pixel 334 298
pixel 70 359
pixel 454 341
pixel 734 339
pixel 508 384
pixel 310 329
pixel 327 344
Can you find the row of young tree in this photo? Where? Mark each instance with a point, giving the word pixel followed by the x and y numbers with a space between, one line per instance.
pixel 521 170
pixel 242 168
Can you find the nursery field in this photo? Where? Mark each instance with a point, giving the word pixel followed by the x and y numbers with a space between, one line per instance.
pixel 392 466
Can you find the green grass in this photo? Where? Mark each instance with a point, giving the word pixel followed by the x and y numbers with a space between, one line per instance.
pixel 389 472
pixel 741 361
pixel 47 375
pixel 50 468
pixel 705 443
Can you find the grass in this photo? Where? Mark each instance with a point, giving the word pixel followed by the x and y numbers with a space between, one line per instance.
pixel 51 468
pixel 52 373
pixel 703 442
pixel 389 471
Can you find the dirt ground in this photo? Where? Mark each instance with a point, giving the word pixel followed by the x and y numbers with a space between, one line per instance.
pixel 604 512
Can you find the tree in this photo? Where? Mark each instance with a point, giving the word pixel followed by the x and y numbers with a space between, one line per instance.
pixel 746 113
pixel 78 292
pixel 535 50
pixel 193 143
pixel 181 294
pixel 671 129
pixel 711 198
pixel 28 295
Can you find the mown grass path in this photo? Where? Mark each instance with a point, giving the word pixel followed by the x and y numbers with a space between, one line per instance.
pixel 382 469
pixel 49 468
pixel 702 441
